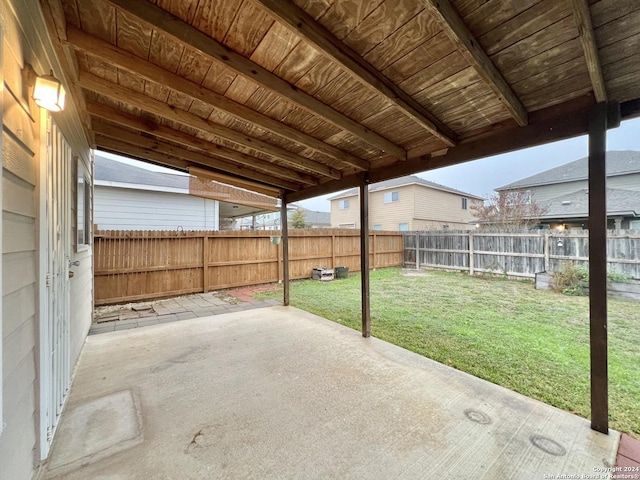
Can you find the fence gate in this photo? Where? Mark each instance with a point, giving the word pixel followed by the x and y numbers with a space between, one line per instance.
pixel 55 254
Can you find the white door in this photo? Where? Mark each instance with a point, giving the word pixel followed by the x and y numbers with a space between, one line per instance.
pixel 55 250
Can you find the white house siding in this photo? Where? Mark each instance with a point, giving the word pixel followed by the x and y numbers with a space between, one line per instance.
pixel 19 267
pixel 390 215
pixel 625 182
pixel 128 209
pixel 23 157
pixel 543 193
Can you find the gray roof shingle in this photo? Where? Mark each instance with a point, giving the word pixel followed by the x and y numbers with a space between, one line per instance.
pixel 113 171
pixel 408 180
pixel 618 163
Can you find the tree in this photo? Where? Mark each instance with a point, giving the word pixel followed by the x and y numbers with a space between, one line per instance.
pixel 297 219
pixel 511 209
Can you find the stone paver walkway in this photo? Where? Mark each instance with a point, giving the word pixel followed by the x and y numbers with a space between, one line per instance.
pixel 134 315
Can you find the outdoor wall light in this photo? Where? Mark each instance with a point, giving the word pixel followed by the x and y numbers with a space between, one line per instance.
pixel 48 92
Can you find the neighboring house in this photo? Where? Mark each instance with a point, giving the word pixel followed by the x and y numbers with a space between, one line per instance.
pixel 132 198
pixel 406 203
pixel 271 221
pixel 563 191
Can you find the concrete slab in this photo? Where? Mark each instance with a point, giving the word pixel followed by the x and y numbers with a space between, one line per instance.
pixel 281 393
pixel 95 429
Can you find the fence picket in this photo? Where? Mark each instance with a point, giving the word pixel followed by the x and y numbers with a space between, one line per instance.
pixel 519 254
pixel 145 265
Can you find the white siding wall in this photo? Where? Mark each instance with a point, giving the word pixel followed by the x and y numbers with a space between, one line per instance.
pixel 345 216
pixel 23 158
pixel 127 209
pixel 19 267
pixel 625 182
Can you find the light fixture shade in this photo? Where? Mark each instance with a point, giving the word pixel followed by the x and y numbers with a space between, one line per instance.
pixel 49 93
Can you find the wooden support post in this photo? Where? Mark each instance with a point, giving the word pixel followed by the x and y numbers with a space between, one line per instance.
pixel 364 255
pixel 598 268
pixel 285 250
pixel 471 254
pixel 205 264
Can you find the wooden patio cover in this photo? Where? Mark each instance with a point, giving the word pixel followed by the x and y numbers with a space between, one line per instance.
pixel 297 98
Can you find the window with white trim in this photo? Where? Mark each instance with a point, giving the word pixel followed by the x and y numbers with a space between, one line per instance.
pixel 343 204
pixel 391 197
pixel 464 203
pixel 377 226
pixel 403 227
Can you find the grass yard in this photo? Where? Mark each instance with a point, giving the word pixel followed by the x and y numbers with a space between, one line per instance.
pixel 532 341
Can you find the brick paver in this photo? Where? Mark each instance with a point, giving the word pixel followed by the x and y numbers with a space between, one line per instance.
pixel 182 308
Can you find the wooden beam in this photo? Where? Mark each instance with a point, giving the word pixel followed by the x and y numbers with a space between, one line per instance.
pixel 547 125
pixel 186 160
pixel 284 222
pixel 100 111
pixel 156 107
pixel 193 38
pixel 53 14
pixel 236 181
pixel 364 256
pixel 329 45
pixel 582 16
pixel 468 45
pixel 122 59
pixel 598 269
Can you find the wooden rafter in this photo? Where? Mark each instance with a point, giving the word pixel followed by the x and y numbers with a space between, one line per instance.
pixel 582 16
pixel 468 45
pixel 183 162
pixel 219 53
pixel 329 45
pixel 546 125
pixel 117 57
pixel 102 112
pixel 156 107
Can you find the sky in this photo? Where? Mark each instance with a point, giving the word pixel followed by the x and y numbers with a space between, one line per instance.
pixel 481 177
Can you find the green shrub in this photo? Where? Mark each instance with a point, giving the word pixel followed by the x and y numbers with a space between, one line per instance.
pixel 573 279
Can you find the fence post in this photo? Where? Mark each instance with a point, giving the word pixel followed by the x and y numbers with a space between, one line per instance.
pixel 278 247
pixel 547 257
pixel 373 249
pixel 205 264
pixel 333 250
pixel 417 251
pixel 471 254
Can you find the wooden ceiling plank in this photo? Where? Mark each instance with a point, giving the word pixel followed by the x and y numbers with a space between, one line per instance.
pixel 141 101
pixel 558 122
pixel 53 13
pixel 330 46
pixel 582 16
pixel 159 150
pixel 459 33
pixel 104 112
pixel 194 38
pixel 124 60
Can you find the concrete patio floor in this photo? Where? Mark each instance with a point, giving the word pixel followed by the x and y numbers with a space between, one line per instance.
pixel 281 393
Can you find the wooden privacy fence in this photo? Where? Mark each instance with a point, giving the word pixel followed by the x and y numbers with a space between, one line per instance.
pixel 143 265
pixel 518 254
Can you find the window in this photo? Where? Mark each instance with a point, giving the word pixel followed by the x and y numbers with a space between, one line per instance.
pixel 83 207
pixel 403 227
pixel 377 226
pixel 464 203
pixel 344 204
pixel 391 197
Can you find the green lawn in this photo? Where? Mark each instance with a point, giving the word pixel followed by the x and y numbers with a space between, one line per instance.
pixel 531 341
